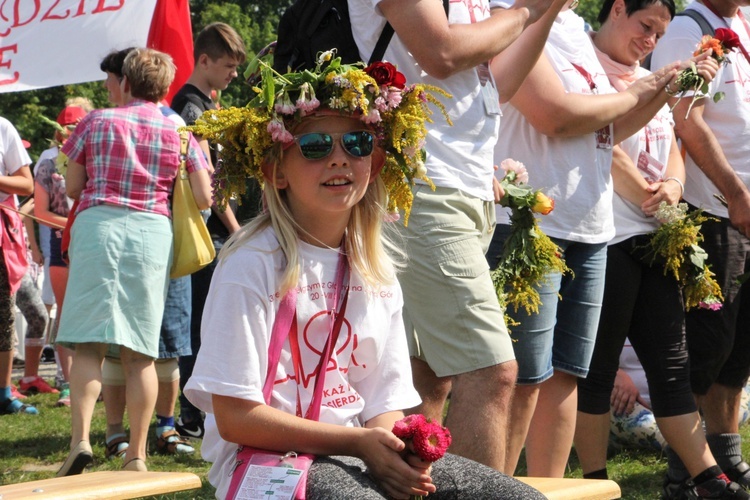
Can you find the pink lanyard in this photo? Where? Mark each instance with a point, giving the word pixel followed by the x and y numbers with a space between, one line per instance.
pixel 286 325
pixel 711 7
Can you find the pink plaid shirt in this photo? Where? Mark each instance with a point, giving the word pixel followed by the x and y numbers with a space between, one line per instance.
pixel 131 155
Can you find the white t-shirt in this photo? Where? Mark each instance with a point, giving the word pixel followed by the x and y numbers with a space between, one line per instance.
pixel 573 171
pixel 656 140
pixel 460 156
pixel 370 374
pixel 729 119
pixel 13 155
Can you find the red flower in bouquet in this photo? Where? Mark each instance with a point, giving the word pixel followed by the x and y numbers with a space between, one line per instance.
pixel 407 426
pixel 431 440
pixel 723 42
pixel 386 74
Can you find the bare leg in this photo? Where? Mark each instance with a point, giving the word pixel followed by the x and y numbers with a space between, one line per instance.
pixel 685 436
pixel 479 411
pixel 114 406
pixel 85 385
pixel 140 389
pixel 6 368
pixel 592 439
pixel 720 407
pixel 33 354
pixel 522 410
pixel 552 428
pixel 167 398
pixel 59 280
pixel 432 389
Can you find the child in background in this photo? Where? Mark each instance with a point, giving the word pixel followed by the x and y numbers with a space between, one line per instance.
pixel 330 173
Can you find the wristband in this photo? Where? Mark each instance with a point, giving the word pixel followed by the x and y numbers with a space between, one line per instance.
pixel 678 181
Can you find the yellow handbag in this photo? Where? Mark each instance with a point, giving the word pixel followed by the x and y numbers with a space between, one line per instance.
pixel 193 248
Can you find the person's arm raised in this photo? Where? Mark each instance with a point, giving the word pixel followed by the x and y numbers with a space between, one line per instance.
pixel 443 49
pixel 513 64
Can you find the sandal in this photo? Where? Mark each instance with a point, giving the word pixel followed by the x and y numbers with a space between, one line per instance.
pixel 172 443
pixel 136 465
pixel 740 474
pixel 8 407
pixel 117 445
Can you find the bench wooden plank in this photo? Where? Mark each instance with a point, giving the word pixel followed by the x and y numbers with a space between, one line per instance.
pixel 574 489
pixel 113 485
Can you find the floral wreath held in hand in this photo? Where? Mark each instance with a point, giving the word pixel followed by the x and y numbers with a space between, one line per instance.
pixel 528 253
pixel 377 95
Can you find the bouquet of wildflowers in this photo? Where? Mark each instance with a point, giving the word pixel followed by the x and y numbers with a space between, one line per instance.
pixel 677 241
pixel 528 254
pixel 723 41
pixel 429 439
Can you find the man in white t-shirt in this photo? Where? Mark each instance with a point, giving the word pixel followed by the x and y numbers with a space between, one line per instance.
pixel 457 336
pixel 718 165
pixel 15 178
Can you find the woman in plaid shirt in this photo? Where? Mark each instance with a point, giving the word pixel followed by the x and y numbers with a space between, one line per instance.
pixel 122 167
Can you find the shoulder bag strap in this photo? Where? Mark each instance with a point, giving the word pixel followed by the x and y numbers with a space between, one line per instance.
pixel 387 34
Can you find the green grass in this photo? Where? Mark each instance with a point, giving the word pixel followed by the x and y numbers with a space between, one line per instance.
pixel 33 448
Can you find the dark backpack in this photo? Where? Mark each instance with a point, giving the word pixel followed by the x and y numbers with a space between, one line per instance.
pixel 309 27
pixel 706 29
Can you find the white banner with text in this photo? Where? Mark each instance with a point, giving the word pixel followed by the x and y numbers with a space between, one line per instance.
pixel 44 43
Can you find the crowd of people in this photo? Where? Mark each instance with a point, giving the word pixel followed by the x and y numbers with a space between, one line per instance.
pixel 374 212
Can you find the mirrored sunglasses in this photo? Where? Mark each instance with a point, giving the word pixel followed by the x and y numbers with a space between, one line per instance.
pixel 317 145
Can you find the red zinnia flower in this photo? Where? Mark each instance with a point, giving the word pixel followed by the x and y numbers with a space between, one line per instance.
pixel 431 441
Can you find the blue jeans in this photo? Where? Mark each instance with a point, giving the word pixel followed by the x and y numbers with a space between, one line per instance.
pixel 200 282
pixel 561 336
pixel 174 340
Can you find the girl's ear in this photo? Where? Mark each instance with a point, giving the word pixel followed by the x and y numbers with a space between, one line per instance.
pixel 377 160
pixel 273 174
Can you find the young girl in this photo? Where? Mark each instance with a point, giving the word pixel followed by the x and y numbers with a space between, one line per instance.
pixel 330 171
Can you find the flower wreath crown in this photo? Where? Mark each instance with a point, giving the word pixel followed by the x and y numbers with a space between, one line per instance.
pixel 377 95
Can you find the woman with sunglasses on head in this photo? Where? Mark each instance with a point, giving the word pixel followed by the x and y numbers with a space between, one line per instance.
pixel 640 301
pixel 315 277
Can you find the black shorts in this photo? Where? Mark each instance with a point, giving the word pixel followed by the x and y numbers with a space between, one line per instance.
pixel 719 341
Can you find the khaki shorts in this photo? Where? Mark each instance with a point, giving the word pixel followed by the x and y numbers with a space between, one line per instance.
pixel 451 313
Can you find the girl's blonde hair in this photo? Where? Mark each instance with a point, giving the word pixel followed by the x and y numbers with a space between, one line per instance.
pixel 370 252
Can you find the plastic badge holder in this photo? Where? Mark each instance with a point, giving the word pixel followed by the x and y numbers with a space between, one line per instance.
pixel 270 476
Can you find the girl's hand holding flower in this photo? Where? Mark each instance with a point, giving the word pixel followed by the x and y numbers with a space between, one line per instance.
pixel 383 453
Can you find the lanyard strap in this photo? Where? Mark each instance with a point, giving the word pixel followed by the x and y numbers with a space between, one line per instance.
pixel 587 76
pixel 712 8
pixel 286 325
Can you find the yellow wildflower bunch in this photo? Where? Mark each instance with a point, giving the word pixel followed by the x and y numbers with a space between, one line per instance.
pixel 376 94
pixel 677 244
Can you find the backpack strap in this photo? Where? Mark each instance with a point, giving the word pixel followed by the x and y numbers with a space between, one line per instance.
pixel 699 18
pixel 385 38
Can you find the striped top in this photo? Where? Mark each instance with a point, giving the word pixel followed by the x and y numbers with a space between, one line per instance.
pixel 131 155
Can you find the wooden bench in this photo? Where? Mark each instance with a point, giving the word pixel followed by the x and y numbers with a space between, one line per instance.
pixel 112 485
pixel 573 489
